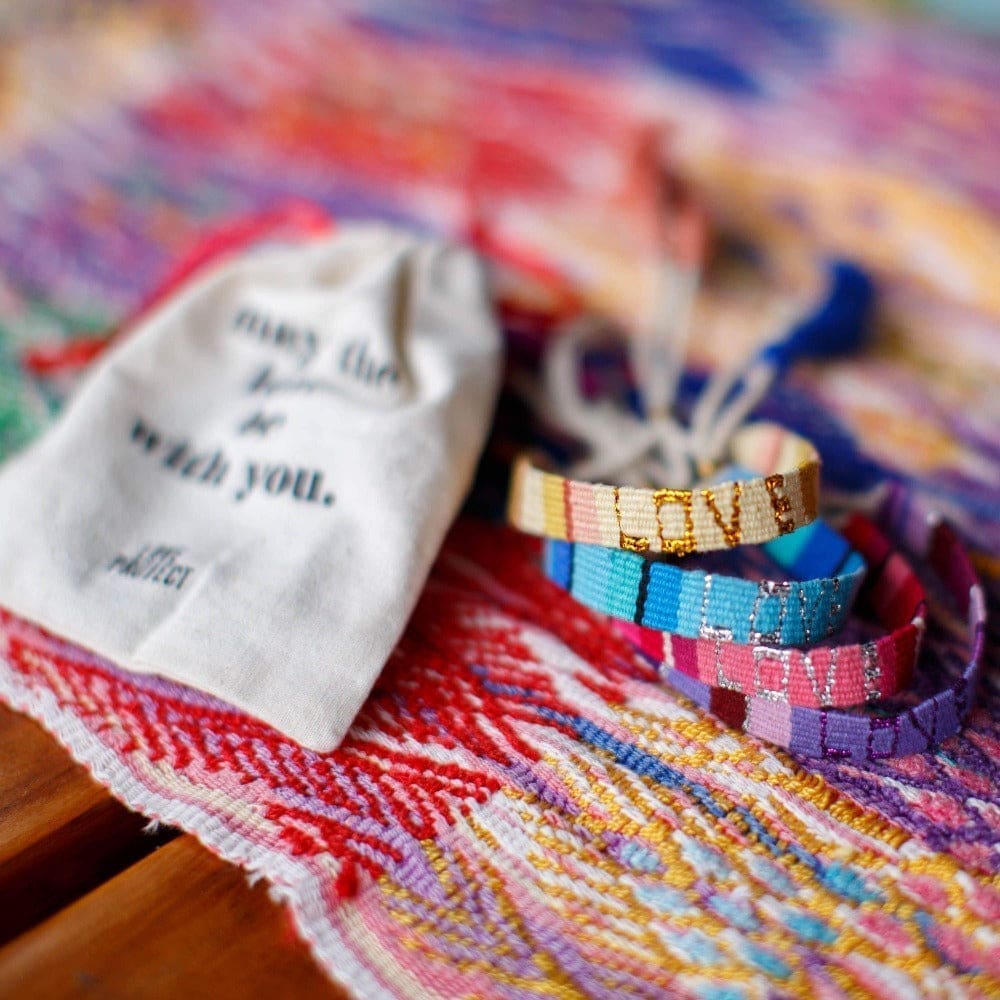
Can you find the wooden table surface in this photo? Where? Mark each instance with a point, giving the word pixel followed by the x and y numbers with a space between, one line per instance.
pixel 93 906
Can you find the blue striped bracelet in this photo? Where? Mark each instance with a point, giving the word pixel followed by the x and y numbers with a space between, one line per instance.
pixel 700 605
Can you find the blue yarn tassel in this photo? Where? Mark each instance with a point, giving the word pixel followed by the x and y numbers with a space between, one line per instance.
pixel 839 326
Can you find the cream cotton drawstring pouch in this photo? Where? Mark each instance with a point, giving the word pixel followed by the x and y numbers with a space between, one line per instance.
pixel 247 492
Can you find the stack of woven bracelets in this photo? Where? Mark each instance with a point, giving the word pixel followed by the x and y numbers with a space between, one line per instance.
pixel 764 656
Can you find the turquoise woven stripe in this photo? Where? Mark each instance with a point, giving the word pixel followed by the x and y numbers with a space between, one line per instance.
pixel 694 604
pixel 814 550
pixel 688 614
pixel 664 598
pixel 730 606
pixel 787 549
pixel 607 580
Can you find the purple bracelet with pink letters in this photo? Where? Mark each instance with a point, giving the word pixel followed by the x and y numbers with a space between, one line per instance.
pixel 861 737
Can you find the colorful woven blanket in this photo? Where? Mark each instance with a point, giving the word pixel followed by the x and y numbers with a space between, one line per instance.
pixel 522 809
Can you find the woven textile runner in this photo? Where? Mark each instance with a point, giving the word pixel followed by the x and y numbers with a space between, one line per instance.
pixel 521 810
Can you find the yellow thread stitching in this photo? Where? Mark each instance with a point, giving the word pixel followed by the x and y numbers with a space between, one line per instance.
pixel 731 534
pixel 780 503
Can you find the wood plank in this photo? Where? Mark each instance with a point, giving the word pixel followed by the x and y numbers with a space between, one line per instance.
pixel 61 833
pixel 179 923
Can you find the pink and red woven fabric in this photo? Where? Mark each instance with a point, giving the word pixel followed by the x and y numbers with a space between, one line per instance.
pixel 522 808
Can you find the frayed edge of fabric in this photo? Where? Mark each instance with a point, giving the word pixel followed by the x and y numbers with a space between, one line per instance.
pixel 288 883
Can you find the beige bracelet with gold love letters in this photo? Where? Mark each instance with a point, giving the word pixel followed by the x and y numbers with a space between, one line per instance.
pixel 677 521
